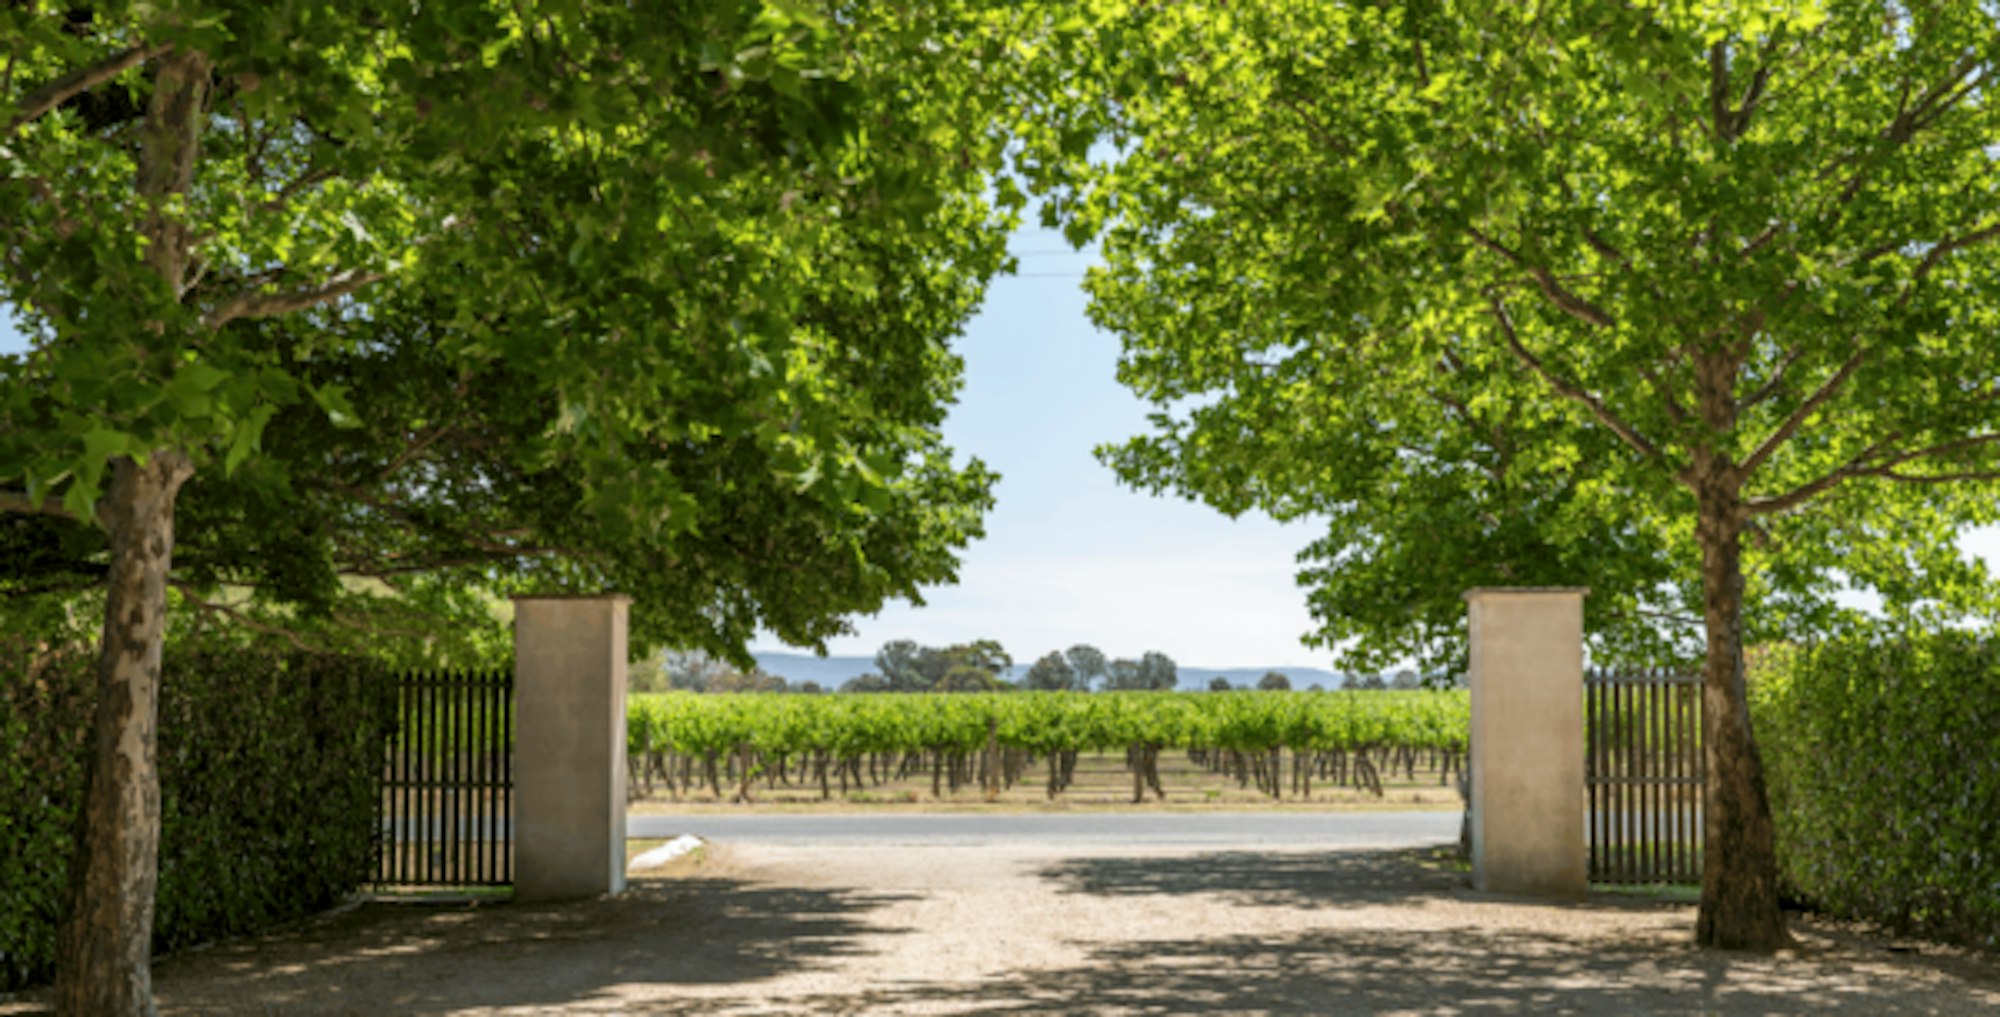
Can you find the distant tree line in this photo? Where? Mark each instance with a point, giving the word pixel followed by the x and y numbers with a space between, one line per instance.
pixel 697 671
pixel 904 665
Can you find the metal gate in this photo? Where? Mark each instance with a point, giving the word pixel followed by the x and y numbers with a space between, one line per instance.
pixel 1644 771
pixel 447 803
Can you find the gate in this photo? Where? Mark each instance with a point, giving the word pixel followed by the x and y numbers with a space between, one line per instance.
pixel 446 809
pixel 1643 772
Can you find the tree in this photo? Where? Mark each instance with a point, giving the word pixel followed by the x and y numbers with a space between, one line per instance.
pixel 688 264
pixel 964 678
pixel 754 680
pixel 1706 292
pixel 690 670
pixel 1274 682
pixel 1052 673
pixel 1124 675
pixel 1157 671
pixel 901 663
pixel 867 683
pixel 1088 662
pixel 982 655
pixel 1405 680
pixel 1366 682
pixel 1219 684
pixel 967 667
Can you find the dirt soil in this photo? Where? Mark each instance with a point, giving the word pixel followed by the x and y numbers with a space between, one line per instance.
pixel 1049 930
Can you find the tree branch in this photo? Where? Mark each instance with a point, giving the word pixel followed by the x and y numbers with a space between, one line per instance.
pixel 1858 467
pixel 1909 120
pixel 1718 91
pixel 1569 389
pixel 1771 387
pixel 65 226
pixel 187 593
pixel 414 450
pixel 1791 424
pixel 1943 249
pixel 1551 287
pixel 310 178
pixel 1675 410
pixel 38 102
pixel 18 503
pixel 266 305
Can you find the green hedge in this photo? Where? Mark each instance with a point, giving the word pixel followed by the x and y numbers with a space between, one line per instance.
pixel 269 768
pixel 1883 758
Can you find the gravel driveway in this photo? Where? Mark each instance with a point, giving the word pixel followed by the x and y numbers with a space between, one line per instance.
pixel 1027 929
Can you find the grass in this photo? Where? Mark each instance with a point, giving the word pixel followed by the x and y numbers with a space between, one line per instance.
pixel 443 895
pixel 1669 893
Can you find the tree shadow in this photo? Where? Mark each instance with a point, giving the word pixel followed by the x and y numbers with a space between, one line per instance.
pixel 1269 878
pixel 714 946
pixel 696 931
pixel 1459 971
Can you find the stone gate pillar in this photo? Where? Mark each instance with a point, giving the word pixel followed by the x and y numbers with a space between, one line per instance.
pixel 1528 741
pixel 569 746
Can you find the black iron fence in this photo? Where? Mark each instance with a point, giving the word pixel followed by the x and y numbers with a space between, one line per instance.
pixel 447 804
pixel 1644 773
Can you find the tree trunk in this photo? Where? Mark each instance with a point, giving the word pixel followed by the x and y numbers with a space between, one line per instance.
pixel 1739 879
pixel 103 964
pixel 104 946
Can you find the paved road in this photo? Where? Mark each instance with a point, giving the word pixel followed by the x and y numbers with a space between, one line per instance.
pixel 1170 829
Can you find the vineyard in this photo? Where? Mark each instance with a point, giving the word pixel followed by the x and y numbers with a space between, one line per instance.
pixel 734 746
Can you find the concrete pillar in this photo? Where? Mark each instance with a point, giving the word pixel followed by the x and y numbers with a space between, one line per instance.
pixel 569 746
pixel 1528 741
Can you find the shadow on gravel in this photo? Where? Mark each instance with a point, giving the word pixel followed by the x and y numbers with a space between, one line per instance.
pixel 557 956
pixel 1452 971
pixel 1285 879
pixel 723 940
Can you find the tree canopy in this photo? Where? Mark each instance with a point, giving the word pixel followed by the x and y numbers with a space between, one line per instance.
pixel 481 297
pixel 1690 303
pixel 1051 673
pixel 576 320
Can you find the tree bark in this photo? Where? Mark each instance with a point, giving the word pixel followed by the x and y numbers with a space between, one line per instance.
pixel 104 946
pixel 1739 882
pixel 103 963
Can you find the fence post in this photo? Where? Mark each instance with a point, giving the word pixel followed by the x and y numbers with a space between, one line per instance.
pixel 1527 741
pixel 569 784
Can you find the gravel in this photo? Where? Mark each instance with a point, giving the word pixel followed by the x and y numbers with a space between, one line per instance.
pixel 1055 929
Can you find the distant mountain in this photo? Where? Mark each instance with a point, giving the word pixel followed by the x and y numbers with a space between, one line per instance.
pixel 833 672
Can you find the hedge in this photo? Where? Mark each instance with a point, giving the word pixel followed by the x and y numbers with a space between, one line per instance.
pixel 1883 762
pixel 269 769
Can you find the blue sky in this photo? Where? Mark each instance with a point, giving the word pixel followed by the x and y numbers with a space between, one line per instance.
pixel 1070 556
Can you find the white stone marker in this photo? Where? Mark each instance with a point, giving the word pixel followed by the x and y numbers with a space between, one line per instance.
pixel 569 746
pixel 1527 741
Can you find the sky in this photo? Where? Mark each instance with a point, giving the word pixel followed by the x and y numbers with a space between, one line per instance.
pixel 1071 556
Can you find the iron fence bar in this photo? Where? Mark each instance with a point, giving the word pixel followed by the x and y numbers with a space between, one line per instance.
pixel 1655 768
pixel 454 721
pixel 1590 769
pixel 482 797
pixel 1642 861
pixel 507 774
pixel 1684 816
pixel 1670 707
pixel 433 833
pixel 1626 834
